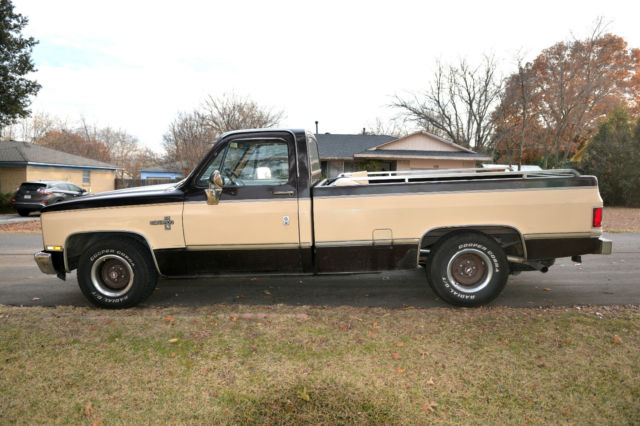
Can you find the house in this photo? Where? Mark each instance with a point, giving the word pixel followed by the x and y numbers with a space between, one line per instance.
pixel 24 161
pixel 420 150
pixel 160 174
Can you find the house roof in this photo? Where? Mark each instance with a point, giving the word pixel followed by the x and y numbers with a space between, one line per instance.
pixel 429 135
pixel 399 153
pixel 337 146
pixel 160 169
pixel 24 153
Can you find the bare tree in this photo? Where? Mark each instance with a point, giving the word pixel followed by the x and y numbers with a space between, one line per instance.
pixel 232 112
pixel 188 139
pixel 389 128
pixel 33 127
pixel 458 103
pixel 515 118
pixel 190 135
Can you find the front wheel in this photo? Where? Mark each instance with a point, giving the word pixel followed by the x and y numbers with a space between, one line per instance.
pixel 467 269
pixel 117 274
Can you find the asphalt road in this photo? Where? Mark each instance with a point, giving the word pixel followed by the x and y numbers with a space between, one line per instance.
pixel 600 280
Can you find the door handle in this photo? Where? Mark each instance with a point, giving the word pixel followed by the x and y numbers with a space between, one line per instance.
pixel 289 193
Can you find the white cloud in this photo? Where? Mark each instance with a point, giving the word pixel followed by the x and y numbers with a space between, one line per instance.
pixel 136 64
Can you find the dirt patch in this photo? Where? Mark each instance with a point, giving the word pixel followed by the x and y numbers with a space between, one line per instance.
pixel 621 219
pixel 33 227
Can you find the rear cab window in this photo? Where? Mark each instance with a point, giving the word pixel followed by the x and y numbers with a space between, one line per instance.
pixel 314 159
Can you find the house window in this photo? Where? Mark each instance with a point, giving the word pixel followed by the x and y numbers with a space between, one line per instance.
pixel 86 177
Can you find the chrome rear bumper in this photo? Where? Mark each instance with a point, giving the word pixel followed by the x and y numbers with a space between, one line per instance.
pixel 606 246
pixel 45 262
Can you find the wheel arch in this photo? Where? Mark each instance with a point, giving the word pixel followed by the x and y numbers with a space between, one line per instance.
pixel 77 243
pixel 509 237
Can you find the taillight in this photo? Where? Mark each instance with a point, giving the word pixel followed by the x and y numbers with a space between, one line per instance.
pixel 44 191
pixel 13 200
pixel 597 217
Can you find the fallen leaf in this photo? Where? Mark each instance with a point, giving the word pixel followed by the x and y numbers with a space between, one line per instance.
pixel 173 354
pixel 36 298
pixel 547 289
pixel 429 406
pixel 234 319
pixel 400 370
pixel 242 296
pixel 400 344
pixel 566 341
pixel 267 292
pixel 88 410
pixel 302 394
pixel 95 423
pixel 196 336
pixel 617 339
pixel 567 411
pixel 173 340
pixel 430 381
pixel 288 407
pixel 396 355
pixel 169 319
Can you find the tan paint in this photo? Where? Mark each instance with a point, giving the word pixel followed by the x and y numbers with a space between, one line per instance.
pixel 58 226
pixel 410 216
pixel 241 222
pixel 11 178
pixel 101 180
pixel 419 142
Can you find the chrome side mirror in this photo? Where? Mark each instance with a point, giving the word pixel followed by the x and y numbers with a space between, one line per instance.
pixel 215 188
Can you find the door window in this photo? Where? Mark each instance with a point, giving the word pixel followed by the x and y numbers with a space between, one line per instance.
pixel 252 163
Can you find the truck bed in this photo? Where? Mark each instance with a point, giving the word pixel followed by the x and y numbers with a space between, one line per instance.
pixel 409 176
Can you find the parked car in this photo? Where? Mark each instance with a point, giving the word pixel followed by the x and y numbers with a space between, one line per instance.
pixel 33 196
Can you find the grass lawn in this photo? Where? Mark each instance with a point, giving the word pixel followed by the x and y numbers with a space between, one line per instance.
pixel 282 364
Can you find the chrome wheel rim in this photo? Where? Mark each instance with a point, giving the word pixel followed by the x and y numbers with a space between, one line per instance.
pixel 469 270
pixel 112 275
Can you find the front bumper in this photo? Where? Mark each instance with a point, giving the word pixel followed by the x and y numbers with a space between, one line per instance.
pixel 45 262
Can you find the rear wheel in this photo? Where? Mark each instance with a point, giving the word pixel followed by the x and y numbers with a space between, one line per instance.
pixel 23 212
pixel 467 269
pixel 117 274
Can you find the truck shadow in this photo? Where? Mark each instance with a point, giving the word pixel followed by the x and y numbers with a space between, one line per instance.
pixel 389 289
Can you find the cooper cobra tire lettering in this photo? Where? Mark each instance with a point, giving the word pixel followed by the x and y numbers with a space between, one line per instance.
pixel 472 253
pixel 132 261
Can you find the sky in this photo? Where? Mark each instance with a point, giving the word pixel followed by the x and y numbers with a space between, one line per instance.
pixel 135 65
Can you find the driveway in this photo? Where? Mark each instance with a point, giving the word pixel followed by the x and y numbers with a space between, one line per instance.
pixel 600 280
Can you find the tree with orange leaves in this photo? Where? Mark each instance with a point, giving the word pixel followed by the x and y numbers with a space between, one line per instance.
pixel 553 105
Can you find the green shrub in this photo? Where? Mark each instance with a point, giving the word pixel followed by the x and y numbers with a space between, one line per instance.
pixel 613 155
pixel 5 203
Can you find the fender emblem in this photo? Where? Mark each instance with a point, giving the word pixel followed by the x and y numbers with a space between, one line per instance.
pixel 167 222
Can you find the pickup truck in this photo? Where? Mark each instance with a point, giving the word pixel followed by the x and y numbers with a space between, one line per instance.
pixel 257 204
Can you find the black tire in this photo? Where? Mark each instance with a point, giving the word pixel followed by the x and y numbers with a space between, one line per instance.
pixel 467 269
pixel 23 212
pixel 117 274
